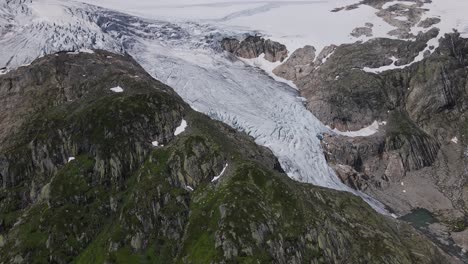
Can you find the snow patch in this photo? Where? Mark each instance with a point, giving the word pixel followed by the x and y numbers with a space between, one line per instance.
pixel 117 89
pixel 364 132
pixel 155 143
pixel 221 174
pixel 190 188
pixel 392 3
pixel 180 129
pixel 392 66
pixel 327 57
pixel 89 51
pixel 401 18
pixel 84 50
pixel 71 159
pixel 268 67
pixel 454 140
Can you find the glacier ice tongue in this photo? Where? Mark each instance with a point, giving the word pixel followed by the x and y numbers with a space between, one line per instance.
pixel 185 56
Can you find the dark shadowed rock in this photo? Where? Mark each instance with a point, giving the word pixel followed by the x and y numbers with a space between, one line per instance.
pixel 253 46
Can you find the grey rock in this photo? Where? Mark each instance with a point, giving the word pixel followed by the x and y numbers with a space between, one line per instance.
pixel 137 241
pixel 253 46
pixel 362 31
pixel 298 65
pixel 429 22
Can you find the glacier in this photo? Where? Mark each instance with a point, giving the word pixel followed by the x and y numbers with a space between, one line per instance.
pixel 187 58
pixel 185 55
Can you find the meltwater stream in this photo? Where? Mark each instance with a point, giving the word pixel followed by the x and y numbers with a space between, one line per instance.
pixel 187 58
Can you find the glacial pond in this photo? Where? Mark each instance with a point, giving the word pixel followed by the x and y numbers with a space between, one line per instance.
pixel 419 218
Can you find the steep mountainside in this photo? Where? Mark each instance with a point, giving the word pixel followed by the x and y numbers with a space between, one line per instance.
pixel 100 163
pixel 418 157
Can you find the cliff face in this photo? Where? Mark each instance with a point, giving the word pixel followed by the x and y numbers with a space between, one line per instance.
pixel 344 96
pixel 254 46
pixel 94 175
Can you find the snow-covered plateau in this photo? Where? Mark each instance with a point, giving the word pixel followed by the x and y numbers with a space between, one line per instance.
pixel 177 42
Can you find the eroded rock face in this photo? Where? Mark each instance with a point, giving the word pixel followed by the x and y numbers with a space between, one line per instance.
pixel 253 46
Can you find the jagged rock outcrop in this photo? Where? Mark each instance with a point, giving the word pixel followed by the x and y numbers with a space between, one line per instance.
pixel 298 65
pixel 363 31
pixel 83 182
pixel 254 46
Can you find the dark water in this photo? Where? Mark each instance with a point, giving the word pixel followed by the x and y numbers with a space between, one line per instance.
pixel 419 218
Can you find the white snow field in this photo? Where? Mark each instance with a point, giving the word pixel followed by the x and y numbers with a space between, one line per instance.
pixel 176 42
pixel 291 22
